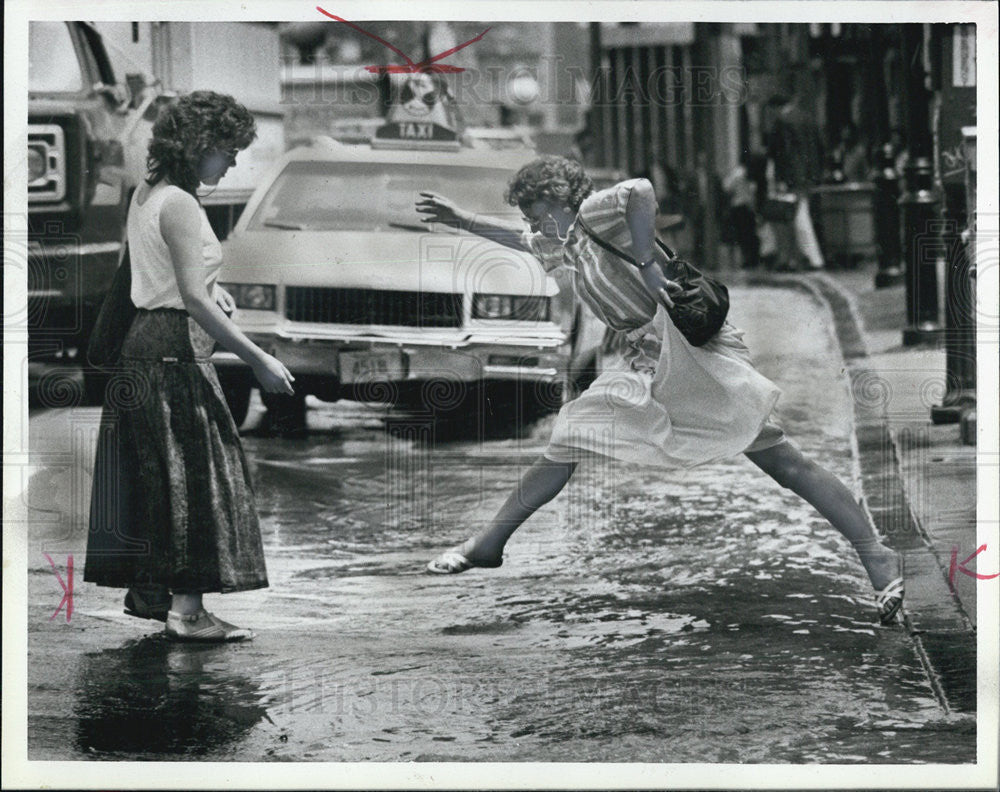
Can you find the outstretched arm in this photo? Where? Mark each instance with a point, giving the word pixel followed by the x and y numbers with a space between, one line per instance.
pixel 438 209
pixel 640 216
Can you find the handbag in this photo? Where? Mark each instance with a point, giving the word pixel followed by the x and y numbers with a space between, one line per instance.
pixel 780 207
pixel 114 319
pixel 700 310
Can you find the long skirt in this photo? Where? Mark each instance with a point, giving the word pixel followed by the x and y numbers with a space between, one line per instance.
pixel 172 501
pixel 665 403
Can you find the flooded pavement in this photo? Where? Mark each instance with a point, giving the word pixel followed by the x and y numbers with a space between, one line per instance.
pixel 643 616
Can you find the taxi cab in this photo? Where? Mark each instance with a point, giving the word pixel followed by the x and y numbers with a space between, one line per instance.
pixel 334 273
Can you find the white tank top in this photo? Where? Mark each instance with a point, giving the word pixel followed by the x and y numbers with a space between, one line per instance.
pixel 154 284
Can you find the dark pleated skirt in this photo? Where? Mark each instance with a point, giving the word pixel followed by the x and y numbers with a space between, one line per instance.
pixel 172 502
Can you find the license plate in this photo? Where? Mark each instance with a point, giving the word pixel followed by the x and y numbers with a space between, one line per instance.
pixel 357 367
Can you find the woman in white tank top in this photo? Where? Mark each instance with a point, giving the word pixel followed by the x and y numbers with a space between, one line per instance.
pixel 173 513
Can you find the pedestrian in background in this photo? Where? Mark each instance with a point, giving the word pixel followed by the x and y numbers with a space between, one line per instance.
pixel 796 149
pixel 173 514
pixel 757 172
pixel 741 191
pixel 849 158
pixel 897 137
pixel 853 154
pixel 668 404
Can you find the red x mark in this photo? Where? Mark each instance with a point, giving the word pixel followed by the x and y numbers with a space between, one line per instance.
pixel 429 65
pixel 67 598
pixel 957 567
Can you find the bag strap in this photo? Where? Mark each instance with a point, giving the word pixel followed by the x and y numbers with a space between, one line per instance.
pixel 620 253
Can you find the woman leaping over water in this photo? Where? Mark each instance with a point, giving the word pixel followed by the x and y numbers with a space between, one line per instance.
pixel 674 405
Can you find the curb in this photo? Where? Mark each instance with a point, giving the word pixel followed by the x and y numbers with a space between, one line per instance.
pixel 943 635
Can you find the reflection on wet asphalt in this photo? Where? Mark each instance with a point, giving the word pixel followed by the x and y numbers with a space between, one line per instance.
pixel 643 616
pixel 157 698
pixel 706 617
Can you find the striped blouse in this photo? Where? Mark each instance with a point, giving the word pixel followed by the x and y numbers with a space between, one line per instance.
pixel 610 286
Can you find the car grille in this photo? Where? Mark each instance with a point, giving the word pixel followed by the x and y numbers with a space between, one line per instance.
pixel 373 307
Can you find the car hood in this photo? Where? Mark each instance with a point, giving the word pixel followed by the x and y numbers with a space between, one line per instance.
pixel 396 261
pixel 41 105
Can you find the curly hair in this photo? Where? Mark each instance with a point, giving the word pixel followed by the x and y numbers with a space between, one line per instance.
pixel 187 129
pixel 550 177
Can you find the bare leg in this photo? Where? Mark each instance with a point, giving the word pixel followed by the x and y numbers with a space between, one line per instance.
pixel 786 465
pixel 805 235
pixel 539 484
pixel 185 604
pixel 188 621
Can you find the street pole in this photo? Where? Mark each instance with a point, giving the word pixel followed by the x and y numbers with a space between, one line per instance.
pixel 707 49
pixel 884 175
pixel 960 321
pixel 957 144
pixel 921 203
pixel 596 119
pixel 887 234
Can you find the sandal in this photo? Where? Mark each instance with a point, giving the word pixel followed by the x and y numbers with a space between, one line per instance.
pixel 888 601
pixel 148 602
pixel 451 562
pixel 203 627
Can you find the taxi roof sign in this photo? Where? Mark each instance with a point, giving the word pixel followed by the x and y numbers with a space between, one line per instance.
pixel 422 115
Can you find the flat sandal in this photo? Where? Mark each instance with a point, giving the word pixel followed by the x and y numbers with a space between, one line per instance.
pixel 889 601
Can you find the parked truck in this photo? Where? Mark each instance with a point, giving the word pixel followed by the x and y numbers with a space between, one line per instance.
pixel 87 133
pixel 94 91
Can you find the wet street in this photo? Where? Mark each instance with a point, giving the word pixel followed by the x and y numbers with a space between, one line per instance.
pixel 643 616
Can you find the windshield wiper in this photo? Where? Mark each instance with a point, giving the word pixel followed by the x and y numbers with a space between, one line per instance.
pixel 409 226
pixel 286 226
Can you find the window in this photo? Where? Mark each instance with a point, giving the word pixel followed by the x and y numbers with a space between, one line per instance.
pixel 332 196
pixel 53 65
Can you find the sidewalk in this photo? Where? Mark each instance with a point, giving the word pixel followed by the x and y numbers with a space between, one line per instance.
pixel 918 479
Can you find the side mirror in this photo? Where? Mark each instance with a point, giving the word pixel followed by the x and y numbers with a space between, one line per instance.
pixel 136 83
pixel 115 93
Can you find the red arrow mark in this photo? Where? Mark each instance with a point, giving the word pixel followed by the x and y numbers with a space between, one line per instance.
pixel 429 65
pixel 67 598
pixel 960 567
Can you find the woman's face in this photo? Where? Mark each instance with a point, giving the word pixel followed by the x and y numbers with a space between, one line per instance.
pixel 214 165
pixel 550 217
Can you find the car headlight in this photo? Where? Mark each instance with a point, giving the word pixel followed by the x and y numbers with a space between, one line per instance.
pixel 255 296
pixel 46 162
pixel 36 163
pixel 506 306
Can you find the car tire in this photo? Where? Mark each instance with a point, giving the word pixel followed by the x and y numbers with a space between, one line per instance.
pixel 538 399
pixel 286 415
pixel 583 379
pixel 236 388
pixel 510 409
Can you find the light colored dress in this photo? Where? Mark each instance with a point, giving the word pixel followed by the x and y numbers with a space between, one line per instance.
pixel 663 402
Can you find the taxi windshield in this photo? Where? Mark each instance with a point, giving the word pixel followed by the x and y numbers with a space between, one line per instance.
pixel 351 196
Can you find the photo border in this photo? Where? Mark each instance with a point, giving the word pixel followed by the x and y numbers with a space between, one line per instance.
pixel 19 772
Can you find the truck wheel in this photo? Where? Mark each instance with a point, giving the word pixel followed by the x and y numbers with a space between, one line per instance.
pixel 236 389
pixel 286 415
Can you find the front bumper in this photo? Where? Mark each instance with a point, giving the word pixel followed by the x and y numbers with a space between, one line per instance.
pixel 349 358
pixel 67 282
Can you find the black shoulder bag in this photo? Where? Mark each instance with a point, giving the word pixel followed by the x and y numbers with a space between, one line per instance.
pixel 700 310
pixel 114 319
